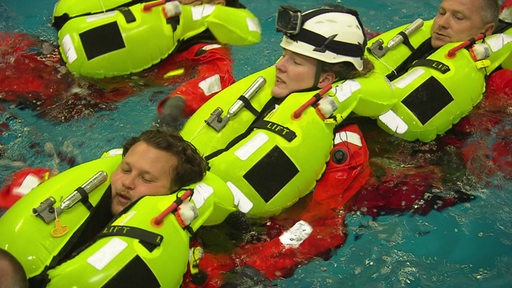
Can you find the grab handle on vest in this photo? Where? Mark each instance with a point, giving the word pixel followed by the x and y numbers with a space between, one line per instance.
pixel 158 220
pixel 311 102
pixel 48 213
pixel 84 189
pixel 379 50
pixel 147 7
pixel 452 52
pixel 217 122
pixel 248 94
pixel 399 38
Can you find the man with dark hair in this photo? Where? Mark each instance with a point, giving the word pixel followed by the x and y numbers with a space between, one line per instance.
pixel 157 162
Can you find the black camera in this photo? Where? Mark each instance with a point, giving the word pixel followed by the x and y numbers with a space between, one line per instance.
pixel 289 20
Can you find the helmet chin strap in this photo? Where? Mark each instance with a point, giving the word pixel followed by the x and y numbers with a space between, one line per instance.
pixel 318 72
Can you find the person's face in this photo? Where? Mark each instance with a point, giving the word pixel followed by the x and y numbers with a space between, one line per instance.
pixel 143 171
pixel 294 72
pixel 200 2
pixel 458 20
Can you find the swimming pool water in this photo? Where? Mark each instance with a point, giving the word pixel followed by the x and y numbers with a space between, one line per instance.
pixel 466 245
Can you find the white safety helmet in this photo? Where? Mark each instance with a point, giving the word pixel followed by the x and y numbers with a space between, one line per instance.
pixel 329 34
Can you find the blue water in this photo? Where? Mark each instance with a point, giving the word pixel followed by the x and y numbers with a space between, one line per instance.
pixel 468 245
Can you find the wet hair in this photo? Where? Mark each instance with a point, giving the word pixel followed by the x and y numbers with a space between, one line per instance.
pixel 12 274
pixel 347 70
pixel 191 166
pixel 490 11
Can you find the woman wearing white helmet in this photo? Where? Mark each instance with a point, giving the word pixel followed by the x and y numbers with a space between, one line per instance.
pixel 272 149
pixel 320 46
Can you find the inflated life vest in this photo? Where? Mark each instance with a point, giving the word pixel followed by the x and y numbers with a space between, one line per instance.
pixel 271 160
pixel 68 9
pixel 129 39
pixel 435 92
pixel 145 246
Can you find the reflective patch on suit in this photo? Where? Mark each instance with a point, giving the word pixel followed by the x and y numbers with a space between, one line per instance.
pixel 211 85
pixel 251 146
pixel 107 253
pixel 202 191
pixel 240 200
pixel 293 237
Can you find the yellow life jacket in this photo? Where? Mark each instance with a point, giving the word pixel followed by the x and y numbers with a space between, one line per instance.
pixel 144 245
pixel 268 161
pixel 129 39
pixel 68 9
pixel 434 92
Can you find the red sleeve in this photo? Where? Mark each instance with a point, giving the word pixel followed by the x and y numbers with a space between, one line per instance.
pixel 21 183
pixel 213 71
pixel 35 77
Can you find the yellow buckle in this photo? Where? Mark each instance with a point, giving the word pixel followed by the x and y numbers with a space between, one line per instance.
pixel 482 63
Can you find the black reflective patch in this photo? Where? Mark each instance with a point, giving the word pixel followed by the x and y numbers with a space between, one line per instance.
pixel 271 173
pixel 134 274
pixel 427 100
pixel 102 40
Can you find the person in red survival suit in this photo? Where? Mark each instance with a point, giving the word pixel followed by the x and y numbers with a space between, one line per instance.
pixel 303 232
pixel 393 181
pixel 413 176
pixel 211 65
pixel 35 76
pixel 411 179
pixel 483 137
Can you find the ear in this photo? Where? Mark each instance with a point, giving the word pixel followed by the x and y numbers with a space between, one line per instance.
pixel 489 28
pixel 326 79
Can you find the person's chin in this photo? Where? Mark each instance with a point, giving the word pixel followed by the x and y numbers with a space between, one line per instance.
pixel 439 41
pixel 278 92
pixel 116 209
pixel 118 205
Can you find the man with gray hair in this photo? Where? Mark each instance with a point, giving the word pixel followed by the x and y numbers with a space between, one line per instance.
pixel 459 20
